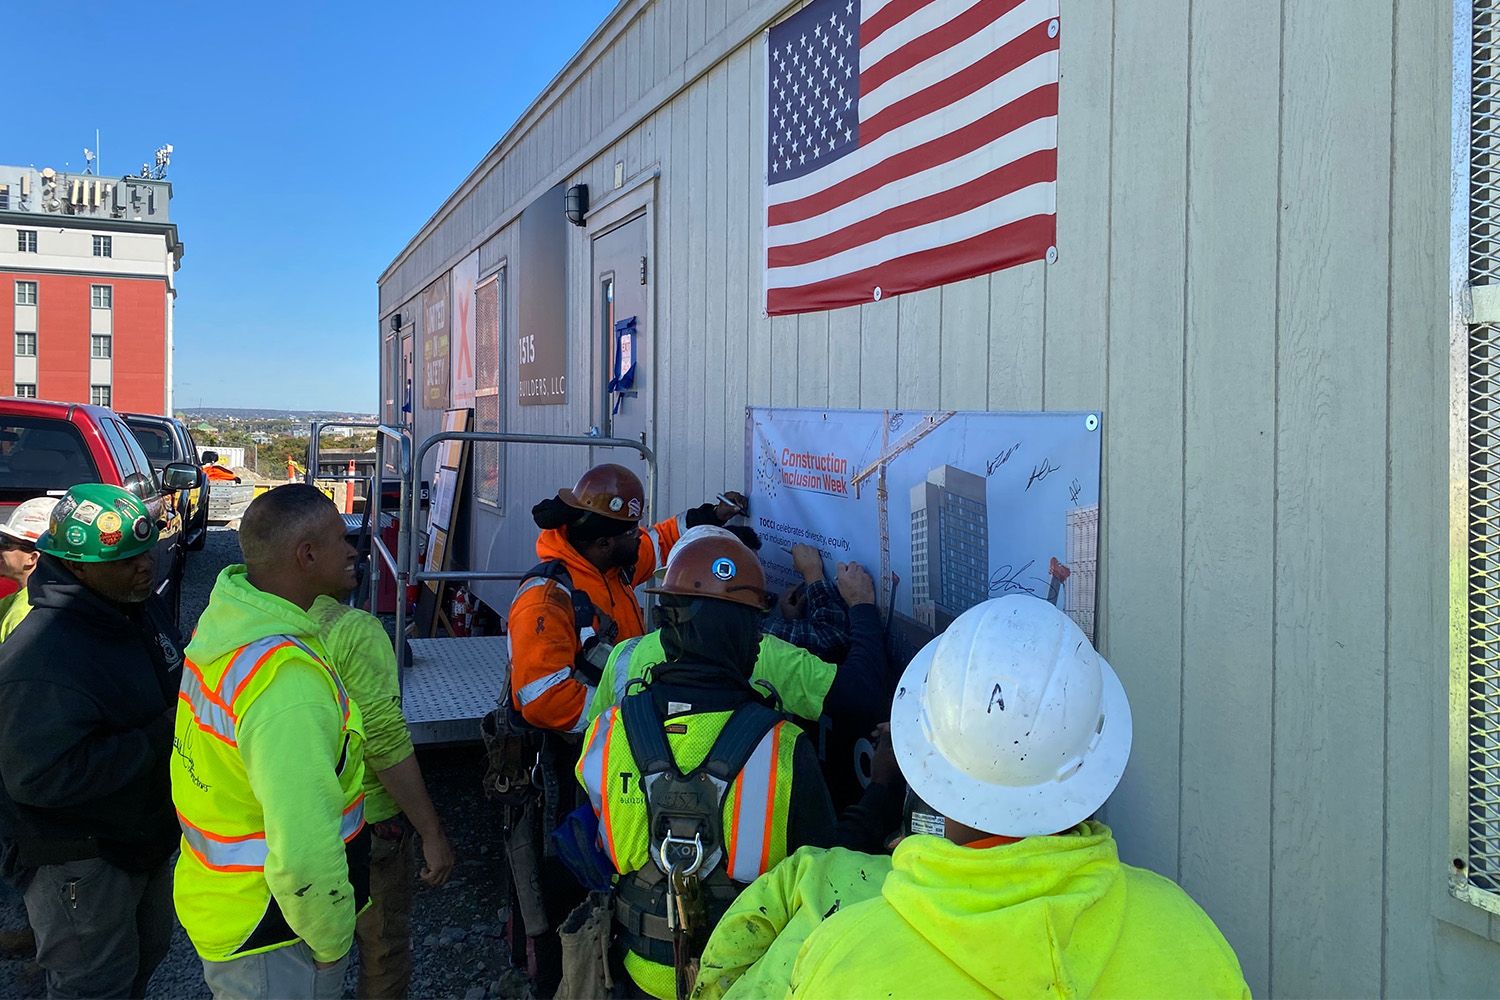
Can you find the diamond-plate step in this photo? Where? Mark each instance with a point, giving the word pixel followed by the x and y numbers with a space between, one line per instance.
pixel 451 685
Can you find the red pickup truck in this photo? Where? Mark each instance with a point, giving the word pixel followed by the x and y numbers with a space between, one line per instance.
pixel 47 447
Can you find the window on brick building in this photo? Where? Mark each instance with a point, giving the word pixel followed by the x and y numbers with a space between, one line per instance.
pixel 26 390
pixel 100 346
pixel 102 296
pixel 99 395
pixel 25 345
pixel 104 246
pixel 26 240
pixel 26 293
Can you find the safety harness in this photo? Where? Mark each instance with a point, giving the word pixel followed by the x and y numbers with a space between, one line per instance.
pixel 667 909
pixel 592 656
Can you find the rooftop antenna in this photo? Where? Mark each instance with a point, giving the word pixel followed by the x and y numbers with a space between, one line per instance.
pixel 163 160
pixel 88 160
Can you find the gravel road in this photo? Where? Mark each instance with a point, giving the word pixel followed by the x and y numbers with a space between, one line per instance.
pixel 457 949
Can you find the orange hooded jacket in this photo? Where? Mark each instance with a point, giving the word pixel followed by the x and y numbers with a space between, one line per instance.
pixel 544 642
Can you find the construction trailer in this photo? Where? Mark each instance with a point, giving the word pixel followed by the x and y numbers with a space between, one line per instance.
pixel 1276 257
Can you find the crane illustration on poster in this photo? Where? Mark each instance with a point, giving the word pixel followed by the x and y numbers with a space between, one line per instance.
pixel 944 508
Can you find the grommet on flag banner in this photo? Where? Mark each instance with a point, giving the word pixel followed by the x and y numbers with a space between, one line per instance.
pixel 1092 422
pixel 877 293
pixel 1052 255
pixel 1052 28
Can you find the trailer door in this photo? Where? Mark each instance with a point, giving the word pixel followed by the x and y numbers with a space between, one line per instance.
pixel 622 321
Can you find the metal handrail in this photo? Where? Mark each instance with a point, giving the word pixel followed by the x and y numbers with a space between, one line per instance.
pixel 315 438
pixel 404 513
pixel 409 573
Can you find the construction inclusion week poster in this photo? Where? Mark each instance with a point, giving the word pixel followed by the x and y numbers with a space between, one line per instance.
pixel 945 509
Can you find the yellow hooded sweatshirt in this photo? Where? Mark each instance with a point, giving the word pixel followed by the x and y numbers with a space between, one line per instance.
pixel 1055 917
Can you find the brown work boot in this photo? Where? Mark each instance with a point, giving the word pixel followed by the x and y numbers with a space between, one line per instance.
pixel 18 943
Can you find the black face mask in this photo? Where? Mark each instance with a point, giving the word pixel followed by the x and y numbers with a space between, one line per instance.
pixel 715 633
pixel 917 817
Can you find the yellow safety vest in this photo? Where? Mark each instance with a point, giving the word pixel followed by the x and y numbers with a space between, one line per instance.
pixel 220 874
pixel 754 813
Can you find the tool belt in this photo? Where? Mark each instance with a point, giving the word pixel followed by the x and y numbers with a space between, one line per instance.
pixel 513 750
pixel 640 907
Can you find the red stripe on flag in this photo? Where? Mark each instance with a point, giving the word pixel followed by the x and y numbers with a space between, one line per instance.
pixel 1018 243
pixel 1040 103
pixel 1035 168
pixel 887 18
pixel 946 35
pixel 971 79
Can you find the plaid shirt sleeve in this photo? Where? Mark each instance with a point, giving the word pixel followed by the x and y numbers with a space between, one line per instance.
pixel 823 630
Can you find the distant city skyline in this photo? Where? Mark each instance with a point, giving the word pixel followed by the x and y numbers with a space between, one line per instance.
pixel 308 150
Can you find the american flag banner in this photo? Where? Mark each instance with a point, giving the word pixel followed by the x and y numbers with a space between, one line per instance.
pixel 909 143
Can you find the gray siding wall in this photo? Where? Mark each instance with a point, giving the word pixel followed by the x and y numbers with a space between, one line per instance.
pixel 1252 285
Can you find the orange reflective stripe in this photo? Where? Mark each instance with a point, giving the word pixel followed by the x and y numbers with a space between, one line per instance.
pixel 353 819
pixel 609 833
pixel 754 810
pixel 246 853
pixel 193 709
pixel 765 850
pixel 734 842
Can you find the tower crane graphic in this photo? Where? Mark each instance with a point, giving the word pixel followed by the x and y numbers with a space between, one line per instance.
pixel 877 469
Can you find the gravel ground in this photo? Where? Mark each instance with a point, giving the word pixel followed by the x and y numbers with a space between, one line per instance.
pixel 456 930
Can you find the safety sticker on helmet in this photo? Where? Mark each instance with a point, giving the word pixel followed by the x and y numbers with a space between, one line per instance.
pixel 75 535
pixel 724 568
pixel 109 521
pixel 86 512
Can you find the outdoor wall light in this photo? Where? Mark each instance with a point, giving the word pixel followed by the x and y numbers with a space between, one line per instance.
pixel 577 203
pixel 396 322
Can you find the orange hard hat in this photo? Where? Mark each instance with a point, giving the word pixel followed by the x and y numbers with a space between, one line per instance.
pixel 608 490
pixel 718 567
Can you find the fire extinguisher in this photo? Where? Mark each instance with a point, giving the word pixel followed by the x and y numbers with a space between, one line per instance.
pixel 458 612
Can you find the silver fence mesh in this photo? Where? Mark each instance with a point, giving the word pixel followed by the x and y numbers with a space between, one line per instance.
pixel 1484 461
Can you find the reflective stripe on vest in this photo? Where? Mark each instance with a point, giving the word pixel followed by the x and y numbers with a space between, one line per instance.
pixel 622 667
pixel 754 805
pixel 593 767
pixel 214 712
pixel 248 853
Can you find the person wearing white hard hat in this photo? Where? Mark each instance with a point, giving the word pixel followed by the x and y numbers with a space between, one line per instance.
pixel 1012 732
pixel 18 557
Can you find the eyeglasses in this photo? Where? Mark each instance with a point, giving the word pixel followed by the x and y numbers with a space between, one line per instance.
pixel 8 544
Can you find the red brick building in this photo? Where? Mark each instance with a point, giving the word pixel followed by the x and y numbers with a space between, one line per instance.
pixel 87 269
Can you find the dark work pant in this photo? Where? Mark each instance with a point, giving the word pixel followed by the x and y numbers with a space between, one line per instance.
pixel 383 931
pixel 100 930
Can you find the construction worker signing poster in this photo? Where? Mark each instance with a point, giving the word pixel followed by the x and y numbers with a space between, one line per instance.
pixel 946 508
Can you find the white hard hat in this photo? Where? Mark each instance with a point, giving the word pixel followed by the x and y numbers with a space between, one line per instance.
pixel 701 531
pixel 1010 723
pixel 29 520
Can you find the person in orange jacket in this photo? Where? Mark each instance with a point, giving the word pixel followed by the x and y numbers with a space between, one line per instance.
pixel 580 600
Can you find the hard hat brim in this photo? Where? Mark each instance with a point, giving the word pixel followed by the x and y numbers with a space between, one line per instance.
pixel 570 498
pixel 1007 810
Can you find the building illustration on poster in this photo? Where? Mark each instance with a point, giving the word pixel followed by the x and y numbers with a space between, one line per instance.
pixel 947 508
pixel 949 546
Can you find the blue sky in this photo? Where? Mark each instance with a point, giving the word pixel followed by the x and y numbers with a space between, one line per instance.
pixel 311 141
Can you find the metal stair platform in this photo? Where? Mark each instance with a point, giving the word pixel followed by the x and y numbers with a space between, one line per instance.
pixel 452 684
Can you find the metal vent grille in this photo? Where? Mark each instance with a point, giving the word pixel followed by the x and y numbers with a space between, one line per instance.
pixel 1483 688
pixel 1484 607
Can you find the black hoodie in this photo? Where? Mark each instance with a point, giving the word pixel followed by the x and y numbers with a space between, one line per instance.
pixel 88 692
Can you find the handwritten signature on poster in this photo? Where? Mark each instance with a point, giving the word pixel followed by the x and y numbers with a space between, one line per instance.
pixel 993 464
pixel 1041 472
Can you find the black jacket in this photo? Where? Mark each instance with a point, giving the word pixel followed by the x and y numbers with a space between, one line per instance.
pixel 88 693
